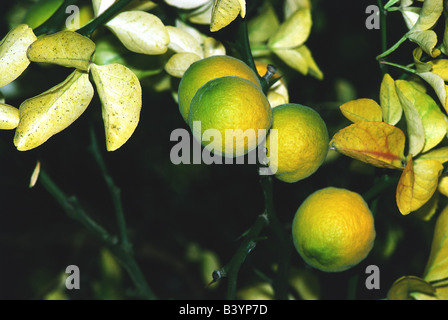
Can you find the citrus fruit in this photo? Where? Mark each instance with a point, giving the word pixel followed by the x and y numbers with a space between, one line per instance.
pixel 333 229
pixel 236 109
pixel 204 70
pixel 302 142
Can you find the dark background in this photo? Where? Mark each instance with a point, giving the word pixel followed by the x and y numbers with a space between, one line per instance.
pixel 168 208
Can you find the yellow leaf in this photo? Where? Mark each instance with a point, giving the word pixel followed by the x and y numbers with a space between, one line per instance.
pixel 225 11
pixel 427 125
pixel 45 115
pixel 403 287
pixel 140 32
pixel 121 97
pixel 362 110
pixel 13 47
pixel 9 117
pixel 182 41
pixel 179 63
pixel 439 86
pixel 293 32
pixel 419 65
pixel 417 184
pixel 389 101
pixel 440 67
pixel 65 48
pixel 376 143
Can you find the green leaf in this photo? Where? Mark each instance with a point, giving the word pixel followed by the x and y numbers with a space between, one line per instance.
pixel 264 25
pixel 121 98
pixel 13 47
pixel 427 125
pixel 9 117
pixel 300 59
pixel 389 101
pixel 293 32
pixel 65 48
pixel 140 32
pixel 427 40
pixel 45 115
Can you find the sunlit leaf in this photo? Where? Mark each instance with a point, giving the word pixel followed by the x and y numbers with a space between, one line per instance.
pixel 99 6
pixel 264 25
pixel 45 115
pixel 300 59
pixel 180 62
pixel 13 47
pixel 389 101
pixel 402 288
pixel 201 15
pixel 291 6
pixel 417 184
pixel 362 110
pixel 65 48
pixel 429 14
pixel 440 67
pixel 427 40
pixel 376 143
pixel 426 123
pixel 9 117
pixel 443 186
pixel 140 32
pixel 182 41
pixel 121 97
pixel 225 11
pixel 293 32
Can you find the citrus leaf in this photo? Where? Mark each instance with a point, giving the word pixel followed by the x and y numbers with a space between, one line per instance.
pixel 180 62
pixel 140 32
pixel 225 11
pixel 410 15
pixel 417 184
pixel 121 98
pixel 438 85
pixel 213 47
pixel 9 117
pixel 402 288
pixel 293 32
pixel 427 40
pixel 362 110
pixel 291 6
pixel 421 109
pixel 99 6
pixel 186 4
pixel 389 101
pixel 300 59
pixel 377 143
pixel 440 68
pixel 65 48
pixel 13 47
pixel 264 25
pixel 429 14
pixel 439 154
pixel 419 65
pixel 45 115
pixel 182 41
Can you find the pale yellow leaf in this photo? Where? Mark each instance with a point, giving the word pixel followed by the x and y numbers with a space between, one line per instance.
pixel 410 15
pixel 65 48
pixel 180 62
pixel 140 32
pixel 225 11
pixel 293 32
pixel 213 47
pixel 182 41
pixel 45 115
pixel 300 59
pixel 9 117
pixel 403 288
pixel 429 14
pixel 186 4
pixel 13 47
pixel 120 93
pixel 438 85
pixel 427 40
pixel 264 25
